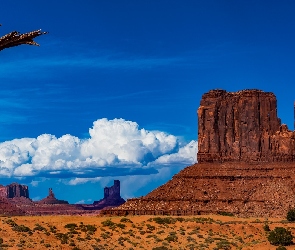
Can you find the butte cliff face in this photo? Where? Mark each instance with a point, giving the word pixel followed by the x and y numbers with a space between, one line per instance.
pixel 242 126
pixel 245 162
pixel 112 197
pixel 16 190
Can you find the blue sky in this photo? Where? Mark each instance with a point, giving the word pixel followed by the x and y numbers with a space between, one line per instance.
pixel 141 65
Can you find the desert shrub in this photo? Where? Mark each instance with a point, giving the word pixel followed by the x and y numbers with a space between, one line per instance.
pixel 124 219
pixel 71 226
pixel 21 228
pixel 62 237
pixel 150 227
pixel 120 225
pixel 171 237
pixel 47 245
pixel 266 227
pixel 88 237
pixel 165 220
pixel 223 244
pixel 291 215
pixel 11 222
pixel 52 229
pixel 281 248
pixel 160 248
pixel 88 228
pixel 280 237
pixel 106 235
pixel 180 219
pixel 108 223
pixel 224 213
pixel 80 239
pixel 190 239
pixel 38 227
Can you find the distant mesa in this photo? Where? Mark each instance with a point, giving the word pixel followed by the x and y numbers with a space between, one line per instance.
pixel 112 197
pixel 246 163
pixel 50 199
pixel 14 200
pixel 14 190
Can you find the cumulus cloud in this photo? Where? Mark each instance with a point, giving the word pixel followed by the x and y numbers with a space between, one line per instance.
pixel 115 148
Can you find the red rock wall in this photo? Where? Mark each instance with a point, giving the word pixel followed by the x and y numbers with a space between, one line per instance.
pixel 17 190
pixel 242 126
pixel 113 192
pixel 3 191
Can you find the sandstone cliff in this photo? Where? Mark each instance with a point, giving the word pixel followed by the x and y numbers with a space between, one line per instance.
pixel 16 190
pixel 242 126
pixel 245 162
pixel 112 197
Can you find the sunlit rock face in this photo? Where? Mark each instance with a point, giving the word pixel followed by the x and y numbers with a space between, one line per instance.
pixel 245 163
pixel 242 126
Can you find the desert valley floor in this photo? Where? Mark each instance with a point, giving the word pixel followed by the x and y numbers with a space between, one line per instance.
pixel 138 232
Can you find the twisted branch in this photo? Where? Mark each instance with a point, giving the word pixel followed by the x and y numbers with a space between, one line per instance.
pixel 15 38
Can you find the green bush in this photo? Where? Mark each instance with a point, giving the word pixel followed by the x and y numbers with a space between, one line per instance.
pixel 291 215
pixel 280 237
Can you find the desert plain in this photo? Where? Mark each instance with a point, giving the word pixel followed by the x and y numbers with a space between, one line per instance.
pixel 138 232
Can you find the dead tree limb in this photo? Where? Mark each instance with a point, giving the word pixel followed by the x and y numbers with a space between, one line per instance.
pixel 15 38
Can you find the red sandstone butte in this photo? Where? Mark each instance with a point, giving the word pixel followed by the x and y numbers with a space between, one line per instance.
pixel 242 126
pixel 245 163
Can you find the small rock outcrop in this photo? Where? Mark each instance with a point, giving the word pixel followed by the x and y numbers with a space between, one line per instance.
pixel 242 126
pixel 112 197
pixel 50 199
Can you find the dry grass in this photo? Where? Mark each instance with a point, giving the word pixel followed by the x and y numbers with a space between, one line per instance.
pixel 136 232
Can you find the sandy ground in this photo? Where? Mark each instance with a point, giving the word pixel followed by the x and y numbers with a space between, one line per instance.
pixel 137 232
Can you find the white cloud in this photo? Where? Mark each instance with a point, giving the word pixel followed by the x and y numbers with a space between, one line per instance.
pixel 115 147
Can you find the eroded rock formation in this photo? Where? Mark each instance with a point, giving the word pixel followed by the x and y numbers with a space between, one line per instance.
pixel 245 163
pixel 14 200
pixel 50 199
pixel 242 126
pixel 112 197
pixel 16 190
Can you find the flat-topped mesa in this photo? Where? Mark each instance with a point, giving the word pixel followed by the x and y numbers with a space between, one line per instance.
pixel 15 190
pixel 242 126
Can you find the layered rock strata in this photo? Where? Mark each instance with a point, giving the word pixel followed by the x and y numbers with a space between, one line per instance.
pixel 264 189
pixel 242 126
pixel 14 190
pixel 245 162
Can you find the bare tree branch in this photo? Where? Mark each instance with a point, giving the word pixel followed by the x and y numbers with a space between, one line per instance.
pixel 15 38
